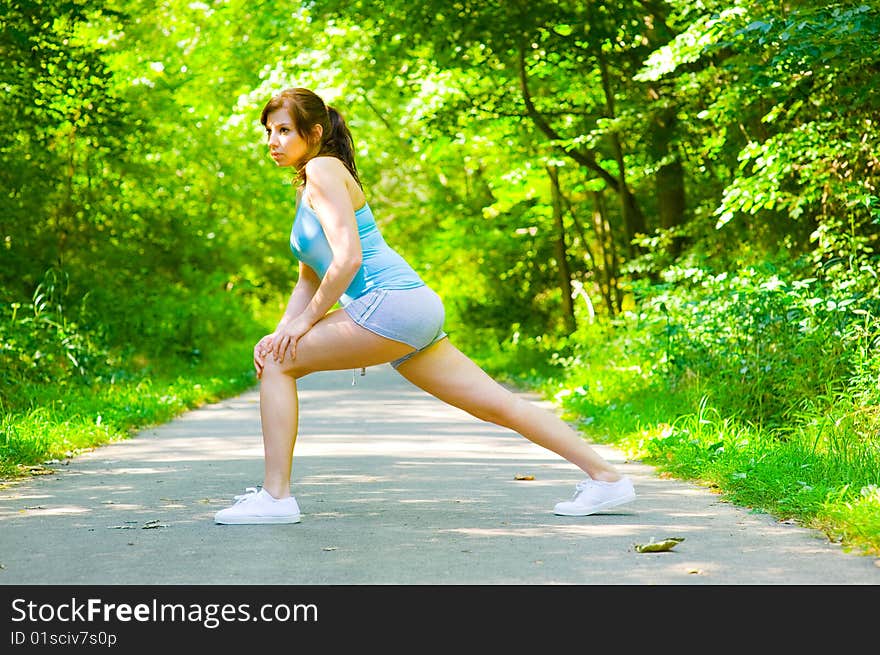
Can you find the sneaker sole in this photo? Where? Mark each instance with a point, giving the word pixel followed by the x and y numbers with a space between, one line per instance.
pixel 608 504
pixel 259 520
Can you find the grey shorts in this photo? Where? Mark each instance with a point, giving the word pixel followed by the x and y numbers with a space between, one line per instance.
pixel 413 316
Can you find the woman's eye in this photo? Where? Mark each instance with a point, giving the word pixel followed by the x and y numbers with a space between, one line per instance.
pixel 284 130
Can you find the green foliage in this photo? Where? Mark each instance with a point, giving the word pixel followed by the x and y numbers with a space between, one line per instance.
pixel 855 518
pixel 40 344
pixel 60 421
pixel 129 244
pixel 764 342
pixel 155 246
pixel 762 384
pixel 786 93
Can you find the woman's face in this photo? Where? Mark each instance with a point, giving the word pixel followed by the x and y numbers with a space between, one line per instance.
pixel 286 146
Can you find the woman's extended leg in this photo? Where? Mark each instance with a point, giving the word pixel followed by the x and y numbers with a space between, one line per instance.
pixel 447 373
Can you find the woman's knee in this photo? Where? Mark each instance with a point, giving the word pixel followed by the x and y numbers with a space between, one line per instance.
pixel 287 367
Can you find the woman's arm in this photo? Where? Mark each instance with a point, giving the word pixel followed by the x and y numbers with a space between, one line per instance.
pixel 328 194
pixel 303 291
pixel 302 294
pixel 331 201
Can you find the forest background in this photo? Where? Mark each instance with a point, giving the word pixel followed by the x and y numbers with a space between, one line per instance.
pixel 662 214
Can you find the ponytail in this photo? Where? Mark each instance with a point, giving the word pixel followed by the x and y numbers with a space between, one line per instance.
pixel 337 142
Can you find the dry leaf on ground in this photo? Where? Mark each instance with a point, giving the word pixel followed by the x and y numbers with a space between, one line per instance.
pixel 153 524
pixel 659 546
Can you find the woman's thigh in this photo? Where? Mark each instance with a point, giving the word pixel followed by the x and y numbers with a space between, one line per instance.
pixel 448 374
pixel 336 343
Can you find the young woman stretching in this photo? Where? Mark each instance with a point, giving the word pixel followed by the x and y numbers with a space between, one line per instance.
pixel 388 315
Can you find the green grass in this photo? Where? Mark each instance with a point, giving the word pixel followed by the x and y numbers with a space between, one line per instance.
pixel 55 423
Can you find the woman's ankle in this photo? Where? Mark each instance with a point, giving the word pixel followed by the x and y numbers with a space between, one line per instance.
pixel 607 476
pixel 278 492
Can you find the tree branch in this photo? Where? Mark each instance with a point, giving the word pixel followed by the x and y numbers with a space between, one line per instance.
pixel 583 157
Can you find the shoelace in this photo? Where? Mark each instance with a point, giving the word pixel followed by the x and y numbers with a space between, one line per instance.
pixel 580 487
pixel 249 492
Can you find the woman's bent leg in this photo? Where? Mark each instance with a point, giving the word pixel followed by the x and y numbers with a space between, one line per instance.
pixel 334 343
pixel 279 416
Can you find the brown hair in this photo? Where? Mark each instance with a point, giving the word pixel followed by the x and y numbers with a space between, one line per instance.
pixel 307 110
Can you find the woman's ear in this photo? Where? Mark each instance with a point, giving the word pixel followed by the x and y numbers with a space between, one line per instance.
pixel 317 133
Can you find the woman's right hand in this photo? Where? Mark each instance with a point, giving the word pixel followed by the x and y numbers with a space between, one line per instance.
pixel 263 348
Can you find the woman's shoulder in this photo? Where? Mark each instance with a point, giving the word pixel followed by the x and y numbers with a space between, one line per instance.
pixel 326 172
pixel 326 167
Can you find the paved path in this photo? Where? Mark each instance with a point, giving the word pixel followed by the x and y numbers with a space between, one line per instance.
pixel 396 488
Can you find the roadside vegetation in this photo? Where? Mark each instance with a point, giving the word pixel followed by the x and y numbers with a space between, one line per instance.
pixel 65 392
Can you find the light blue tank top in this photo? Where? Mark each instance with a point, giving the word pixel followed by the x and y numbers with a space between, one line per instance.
pixel 381 267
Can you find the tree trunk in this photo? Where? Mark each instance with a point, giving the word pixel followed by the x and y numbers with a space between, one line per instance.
pixel 633 219
pixel 669 179
pixel 562 253
pixel 610 261
pixel 607 263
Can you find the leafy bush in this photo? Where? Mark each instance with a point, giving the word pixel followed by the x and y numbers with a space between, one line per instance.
pixel 41 344
pixel 764 342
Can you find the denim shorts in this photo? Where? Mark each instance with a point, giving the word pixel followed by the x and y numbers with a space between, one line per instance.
pixel 413 316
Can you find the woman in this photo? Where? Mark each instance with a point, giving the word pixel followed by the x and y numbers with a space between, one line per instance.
pixel 388 315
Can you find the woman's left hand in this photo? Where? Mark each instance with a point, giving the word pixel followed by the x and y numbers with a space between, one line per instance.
pixel 287 338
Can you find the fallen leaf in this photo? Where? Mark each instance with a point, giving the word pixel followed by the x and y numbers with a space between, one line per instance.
pixel 329 548
pixel 659 546
pixel 520 476
pixel 695 571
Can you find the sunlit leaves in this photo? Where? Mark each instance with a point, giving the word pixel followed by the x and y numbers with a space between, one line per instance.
pixel 689 45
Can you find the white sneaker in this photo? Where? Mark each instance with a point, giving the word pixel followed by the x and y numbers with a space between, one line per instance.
pixel 592 496
pixel 259 507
